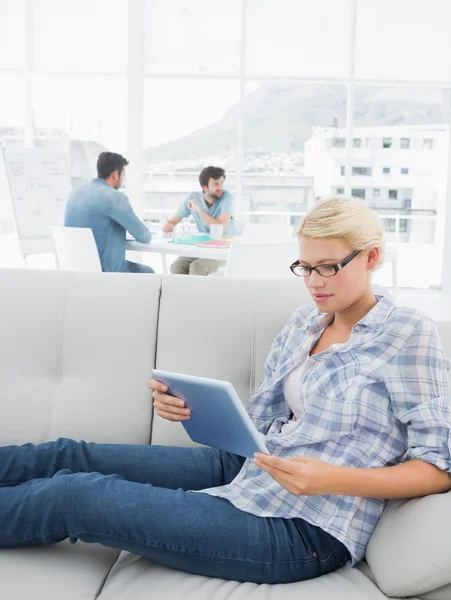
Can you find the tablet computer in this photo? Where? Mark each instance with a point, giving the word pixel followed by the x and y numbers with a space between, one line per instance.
pixel 218 417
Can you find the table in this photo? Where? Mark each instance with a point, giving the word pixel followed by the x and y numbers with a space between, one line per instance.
pixel 164 246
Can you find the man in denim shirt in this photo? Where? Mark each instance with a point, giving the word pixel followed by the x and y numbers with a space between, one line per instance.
pixel 100 206
pixel 210 206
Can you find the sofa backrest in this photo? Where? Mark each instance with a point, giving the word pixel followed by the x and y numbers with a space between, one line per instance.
pixel 75 354
pixel 76 350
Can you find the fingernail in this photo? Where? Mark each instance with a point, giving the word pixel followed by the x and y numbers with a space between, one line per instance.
pixel 181 403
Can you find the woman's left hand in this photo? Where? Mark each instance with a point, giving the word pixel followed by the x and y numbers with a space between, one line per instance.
pixel 301 475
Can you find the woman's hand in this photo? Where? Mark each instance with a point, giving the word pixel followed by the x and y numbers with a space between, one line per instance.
pixel 301 475
pixel 168 407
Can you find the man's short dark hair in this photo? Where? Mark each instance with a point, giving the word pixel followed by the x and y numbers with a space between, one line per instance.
pixel 210 173
pixel 108 162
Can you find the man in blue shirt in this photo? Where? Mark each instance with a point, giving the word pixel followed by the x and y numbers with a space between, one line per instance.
pixel 100 206
pixel 211 206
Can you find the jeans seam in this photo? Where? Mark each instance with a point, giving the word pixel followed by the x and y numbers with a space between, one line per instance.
pixel 183 550
pixel 29 537
pixel 194 552
pixel 14 481
pixel 333 550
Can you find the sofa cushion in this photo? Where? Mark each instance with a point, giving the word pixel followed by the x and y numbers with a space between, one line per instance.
pixel 137 578
pixel 63 571
pixel 409 552
pixel 76 350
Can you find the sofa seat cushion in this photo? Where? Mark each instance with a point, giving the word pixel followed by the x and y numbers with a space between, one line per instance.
pixel 63 571
pixel 135 578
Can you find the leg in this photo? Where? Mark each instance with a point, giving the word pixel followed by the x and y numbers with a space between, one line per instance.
pixel 163 466
pixel 205 266
pixel 134 267
pixel 164 263
pixel 181 266
pixel 182 530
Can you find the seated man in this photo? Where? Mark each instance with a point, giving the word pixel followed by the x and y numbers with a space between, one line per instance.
pixel 100 206
pixel 211 206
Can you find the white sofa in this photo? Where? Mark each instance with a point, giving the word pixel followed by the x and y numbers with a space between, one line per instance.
pixel 76 351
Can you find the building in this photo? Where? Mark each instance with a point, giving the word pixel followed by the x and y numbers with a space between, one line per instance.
pixel 398 170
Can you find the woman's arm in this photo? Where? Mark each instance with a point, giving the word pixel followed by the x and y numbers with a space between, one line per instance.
pixel 408 480
pixel 306 476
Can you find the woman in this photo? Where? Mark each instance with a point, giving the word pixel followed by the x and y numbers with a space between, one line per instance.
pixel 355 409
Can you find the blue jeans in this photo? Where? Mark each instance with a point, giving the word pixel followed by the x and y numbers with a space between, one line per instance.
pixel 135 498
pixel 133 267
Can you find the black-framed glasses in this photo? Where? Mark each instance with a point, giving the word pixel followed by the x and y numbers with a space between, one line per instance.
pixel 323 270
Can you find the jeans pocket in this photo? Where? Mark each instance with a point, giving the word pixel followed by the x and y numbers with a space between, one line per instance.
pixel 304 530
pixel 323 546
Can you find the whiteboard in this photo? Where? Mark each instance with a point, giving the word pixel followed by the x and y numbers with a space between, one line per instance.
pixel 39 184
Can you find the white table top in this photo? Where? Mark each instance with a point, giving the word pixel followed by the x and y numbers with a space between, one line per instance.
pixel 163 245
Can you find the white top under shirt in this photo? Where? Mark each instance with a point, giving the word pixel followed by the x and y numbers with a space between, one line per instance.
pixel 293 397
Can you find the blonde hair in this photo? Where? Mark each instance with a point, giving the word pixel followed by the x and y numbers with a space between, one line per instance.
pixel 345 218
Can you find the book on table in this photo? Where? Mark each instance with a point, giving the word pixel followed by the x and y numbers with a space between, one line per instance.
pixel 203 240
pixel 214 244
pixel 191 240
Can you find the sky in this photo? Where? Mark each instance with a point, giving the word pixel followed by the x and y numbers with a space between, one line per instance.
pixel 396 39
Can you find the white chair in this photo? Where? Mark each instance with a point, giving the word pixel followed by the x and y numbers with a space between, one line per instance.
pixel 238 226
pixel 255 259
pixel 75 249
pixel 268 231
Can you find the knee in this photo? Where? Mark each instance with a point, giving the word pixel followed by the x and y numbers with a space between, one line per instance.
pixel 144 269
pixel 197 268
pixel 178 268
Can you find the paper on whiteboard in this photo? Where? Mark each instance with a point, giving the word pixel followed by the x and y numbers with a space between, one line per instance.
pixel 39 185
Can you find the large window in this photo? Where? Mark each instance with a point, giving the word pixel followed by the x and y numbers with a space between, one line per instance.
pixel 193 36
pixel 287 158
pixel 258 87
pixel 13 37
pixel 403 40
pixel 407 126
pixel 12 104
pixel 85 115
pixel 80 36
pixel 183 134
pixel 307 38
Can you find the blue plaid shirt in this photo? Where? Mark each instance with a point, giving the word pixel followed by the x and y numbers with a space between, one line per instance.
pixel 379 399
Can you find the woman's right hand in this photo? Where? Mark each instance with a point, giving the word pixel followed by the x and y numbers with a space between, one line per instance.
pixel 168 407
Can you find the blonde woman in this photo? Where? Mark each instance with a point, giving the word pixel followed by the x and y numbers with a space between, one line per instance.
pixel 355 409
